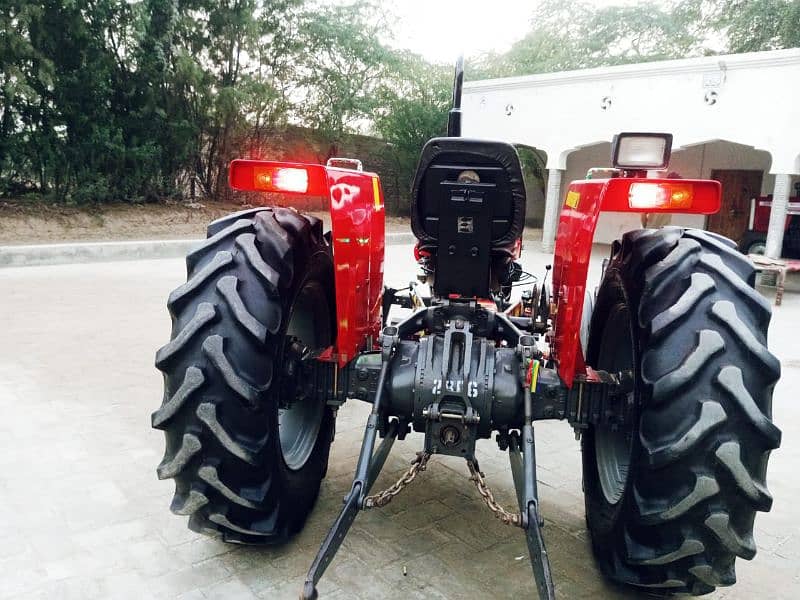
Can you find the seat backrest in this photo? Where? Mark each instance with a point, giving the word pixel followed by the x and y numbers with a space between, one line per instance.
pixel 467 208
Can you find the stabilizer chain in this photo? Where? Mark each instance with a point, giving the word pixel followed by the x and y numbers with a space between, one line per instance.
pixel 384 497
pixel 420 463
pixel 488 497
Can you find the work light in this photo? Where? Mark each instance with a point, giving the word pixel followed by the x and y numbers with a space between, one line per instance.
pixel 641 151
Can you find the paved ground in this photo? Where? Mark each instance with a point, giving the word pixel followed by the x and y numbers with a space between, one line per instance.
pixel 83 515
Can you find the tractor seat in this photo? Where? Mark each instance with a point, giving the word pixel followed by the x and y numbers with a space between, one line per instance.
pixel 499 189
pixel 468 210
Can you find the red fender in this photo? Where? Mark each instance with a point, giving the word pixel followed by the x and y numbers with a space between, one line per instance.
pixel 357 228
pixel 584 201
pixel 357 234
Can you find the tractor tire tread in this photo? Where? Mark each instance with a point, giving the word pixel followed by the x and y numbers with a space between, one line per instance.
pixel 219 448
pixel 705 434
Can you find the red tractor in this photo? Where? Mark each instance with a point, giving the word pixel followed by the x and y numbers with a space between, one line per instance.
pixel 663 370
pixel 754 240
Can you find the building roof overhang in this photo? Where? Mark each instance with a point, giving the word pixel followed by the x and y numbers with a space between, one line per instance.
pixel 749 60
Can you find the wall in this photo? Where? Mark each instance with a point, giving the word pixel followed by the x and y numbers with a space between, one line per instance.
pixel 700 160
pixel 560 112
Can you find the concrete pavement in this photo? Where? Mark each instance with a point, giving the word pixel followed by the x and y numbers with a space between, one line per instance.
pixel 85 517
pixel 62 254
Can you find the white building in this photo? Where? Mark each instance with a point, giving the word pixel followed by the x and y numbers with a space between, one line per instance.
pixel 734 118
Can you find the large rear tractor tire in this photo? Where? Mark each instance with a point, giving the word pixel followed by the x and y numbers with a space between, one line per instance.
pixel 247 460
pixel 671 498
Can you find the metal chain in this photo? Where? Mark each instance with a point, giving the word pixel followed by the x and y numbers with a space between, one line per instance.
pixel 420 464
pixel 488 497
pixel 383 498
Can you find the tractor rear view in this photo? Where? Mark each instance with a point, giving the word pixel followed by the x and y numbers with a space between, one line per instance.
pixel 663 371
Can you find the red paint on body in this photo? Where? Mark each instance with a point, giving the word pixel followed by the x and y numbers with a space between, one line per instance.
pixel 357 230
pixel 357 235
pixel 585 199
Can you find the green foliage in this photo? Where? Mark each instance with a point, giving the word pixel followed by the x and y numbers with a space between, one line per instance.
pixel 571 35
pixel 142 99
pixel 414 104
pixel 111 99
pixel 343 64
pixel 533 165
pixel 754 25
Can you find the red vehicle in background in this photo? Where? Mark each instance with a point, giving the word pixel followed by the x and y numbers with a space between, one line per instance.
pixel 754 240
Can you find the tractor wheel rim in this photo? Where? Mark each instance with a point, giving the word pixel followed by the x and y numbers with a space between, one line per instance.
pixel 613 447
pixel 757 248
pixel 299 424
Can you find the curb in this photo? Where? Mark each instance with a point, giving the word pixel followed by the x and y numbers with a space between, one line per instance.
pixel 88 252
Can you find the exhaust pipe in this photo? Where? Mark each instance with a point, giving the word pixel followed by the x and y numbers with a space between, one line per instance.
pixel 454 116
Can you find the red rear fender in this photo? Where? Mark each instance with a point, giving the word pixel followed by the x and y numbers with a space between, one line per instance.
pixel 357 232
pixel 584 201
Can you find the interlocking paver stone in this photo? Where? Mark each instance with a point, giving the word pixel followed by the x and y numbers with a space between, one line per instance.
pixel 85 517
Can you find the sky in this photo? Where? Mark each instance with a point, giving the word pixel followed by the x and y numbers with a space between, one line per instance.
pixel 441 29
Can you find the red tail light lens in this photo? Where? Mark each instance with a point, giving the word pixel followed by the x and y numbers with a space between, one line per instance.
pixel 662 195
pixel 284 179
pixel 269 176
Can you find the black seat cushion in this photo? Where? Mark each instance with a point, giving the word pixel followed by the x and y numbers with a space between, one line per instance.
pixel 497 165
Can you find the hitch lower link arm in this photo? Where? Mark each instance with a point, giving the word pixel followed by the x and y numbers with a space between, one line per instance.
pixel 522 456
pixel 367 470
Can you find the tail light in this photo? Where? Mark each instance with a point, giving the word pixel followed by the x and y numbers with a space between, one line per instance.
pixel 662 195
pixel 269 176
pixel 652 196
pixel 287 179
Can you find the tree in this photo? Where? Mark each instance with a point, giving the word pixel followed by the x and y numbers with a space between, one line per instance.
pixel 226 71
pixel 78 126
pixel 579 36
pixel 756 25
pixel 413 108
pixel 21 68
pixel 343 65
pixel 115 99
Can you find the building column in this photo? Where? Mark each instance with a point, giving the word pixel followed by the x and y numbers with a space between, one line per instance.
pixel 551 209
pixel 777 215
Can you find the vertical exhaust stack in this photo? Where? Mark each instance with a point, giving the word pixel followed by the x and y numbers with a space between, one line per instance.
pixel 454 117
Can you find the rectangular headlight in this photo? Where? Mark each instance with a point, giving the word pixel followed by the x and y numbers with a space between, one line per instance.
pixel 641 150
